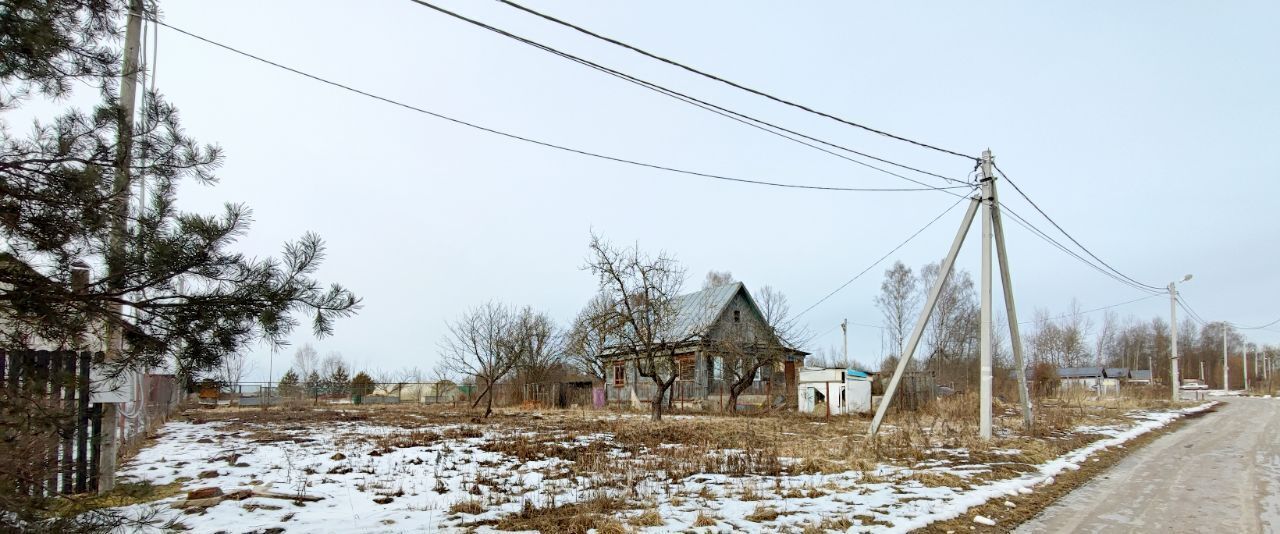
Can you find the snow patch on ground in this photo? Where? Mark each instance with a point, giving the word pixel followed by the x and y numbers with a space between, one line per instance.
pixel 424 481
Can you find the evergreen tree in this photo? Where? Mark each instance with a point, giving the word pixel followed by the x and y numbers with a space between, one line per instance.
pixel 362 384
pixel 338 381
pixel 313 383
pixel 289 386
pixel 65 183
pixel 66 205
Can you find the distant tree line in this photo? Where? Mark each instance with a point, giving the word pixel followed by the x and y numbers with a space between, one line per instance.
pixel 311 375
pixel 1050 340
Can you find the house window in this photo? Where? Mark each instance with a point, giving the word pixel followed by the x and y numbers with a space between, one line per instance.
pixel 619 374
pixel 737 316
pixel 685 368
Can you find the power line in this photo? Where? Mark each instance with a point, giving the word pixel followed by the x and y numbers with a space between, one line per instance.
pixel 882 258
pixel 1069 236
pixel 1263 327
pixel 1191 313
pixel 740 117
pixel 851 323
pixel 1116 305
pixel 1126 279
pixel 1186 306
pixel 540 142
pixel 1197 317
pixel 1023 222
pixel 731 83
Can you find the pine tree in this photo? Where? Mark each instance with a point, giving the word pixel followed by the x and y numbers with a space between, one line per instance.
pixel 289 386
pixel 66 183
pixel 362 384
pixel 313 383
pixel 196 300
pixel 339 380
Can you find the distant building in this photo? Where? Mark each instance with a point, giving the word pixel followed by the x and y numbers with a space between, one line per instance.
pixel 1105 381
pixel 703 320
pixel 1140 376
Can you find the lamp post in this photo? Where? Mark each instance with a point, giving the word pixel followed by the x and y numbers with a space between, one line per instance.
pixel 1173 331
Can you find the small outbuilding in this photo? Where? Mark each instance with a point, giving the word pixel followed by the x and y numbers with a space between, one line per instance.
pixel 1104 381
pixel 834 391
pixel 1140 376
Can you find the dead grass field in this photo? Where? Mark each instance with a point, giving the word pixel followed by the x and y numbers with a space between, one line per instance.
pixel 626 471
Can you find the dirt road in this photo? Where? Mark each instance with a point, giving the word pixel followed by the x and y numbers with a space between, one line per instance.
pixel 1219 473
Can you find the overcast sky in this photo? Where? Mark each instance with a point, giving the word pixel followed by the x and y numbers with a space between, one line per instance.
pixel 1146 129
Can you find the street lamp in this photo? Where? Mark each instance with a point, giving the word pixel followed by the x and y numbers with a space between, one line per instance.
pixel 1173 331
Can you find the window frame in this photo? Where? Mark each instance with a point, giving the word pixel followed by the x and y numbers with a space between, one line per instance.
pixel 619 374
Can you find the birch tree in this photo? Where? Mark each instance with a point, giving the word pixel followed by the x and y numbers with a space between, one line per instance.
pixel 899 302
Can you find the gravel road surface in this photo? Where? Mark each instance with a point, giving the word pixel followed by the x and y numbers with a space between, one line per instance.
pixel 1218 473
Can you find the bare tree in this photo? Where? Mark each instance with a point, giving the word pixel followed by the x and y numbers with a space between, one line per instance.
pixel 641 291
pixel 717 279
pixel 899 302
pixel 757 344
pixel 443 378
pixel 332 362
pixel 306 360
pixel 830 357
pixel 1060 341
pixel 587 339
pixel 234 367
pixel 487 343
pixel 952 330
pixel 538 343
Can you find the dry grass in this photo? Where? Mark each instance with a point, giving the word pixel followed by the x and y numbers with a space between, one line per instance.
pixel 648 518
pixel 763 513
pixel 597 513
pixel 469 506
pixel 935 479
pixel 617 453
pixel 124 494
pixel 704 520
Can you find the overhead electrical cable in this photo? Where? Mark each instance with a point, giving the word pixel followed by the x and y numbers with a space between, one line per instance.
pixel 1195 315
pixel 731 83
pixel 1191 313
pixel 1083 312
pixel 546 143
pixel 691 100
pixel 882 258
pixel 1069 236
pixel 1263 327
pixel 1023 222
pixel 1186 306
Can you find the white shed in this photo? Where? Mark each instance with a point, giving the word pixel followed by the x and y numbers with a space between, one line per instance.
pixel 834 391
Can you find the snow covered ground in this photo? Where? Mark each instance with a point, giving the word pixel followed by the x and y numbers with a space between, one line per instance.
pixel 449 477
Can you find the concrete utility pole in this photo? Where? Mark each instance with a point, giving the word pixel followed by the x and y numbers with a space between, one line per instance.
pixel 1244 365
pixel 984 334
pixel 1011 310
pixel 1225 377
pixel 119 215
pixel 1173 336
pixel 992 228
pixel 1202 371
pixel 844 331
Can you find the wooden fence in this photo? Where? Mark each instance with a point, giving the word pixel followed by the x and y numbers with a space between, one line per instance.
pixel 53 387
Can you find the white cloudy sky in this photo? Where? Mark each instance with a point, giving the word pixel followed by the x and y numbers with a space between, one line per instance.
pixel 1147 129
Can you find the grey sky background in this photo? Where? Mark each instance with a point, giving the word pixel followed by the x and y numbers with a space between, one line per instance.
pixel 1147 129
